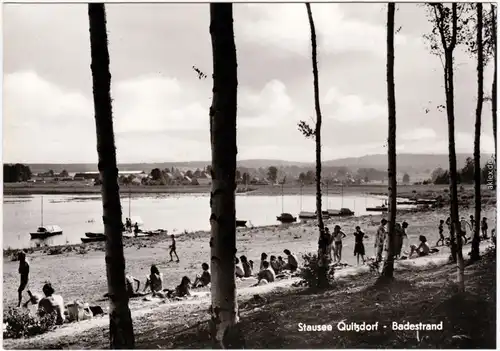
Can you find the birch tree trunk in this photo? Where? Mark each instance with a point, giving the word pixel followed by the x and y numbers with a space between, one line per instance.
pixel 388 269
pixel 121 333
pixel 477 136
pixel 322 244
pixel 222 198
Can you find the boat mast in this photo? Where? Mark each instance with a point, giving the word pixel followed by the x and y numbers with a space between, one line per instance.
pixel 41 214
pixel 282 198
pixel 129 196
pixel 327 197
pixel 342 196
pixel 301 185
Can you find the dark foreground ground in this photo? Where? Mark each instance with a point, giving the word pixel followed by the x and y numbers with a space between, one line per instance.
pixel 424 295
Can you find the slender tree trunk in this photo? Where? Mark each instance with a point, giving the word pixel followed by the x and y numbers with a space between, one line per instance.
pixel 388 269
pixel 477 136
pixel 494 85
pixel 121 333
pixel 322 244
pixel 225 316
pixel 450 109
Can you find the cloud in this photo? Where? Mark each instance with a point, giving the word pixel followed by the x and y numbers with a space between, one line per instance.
pixel 419 134
pixel 351 108
pixel 286 26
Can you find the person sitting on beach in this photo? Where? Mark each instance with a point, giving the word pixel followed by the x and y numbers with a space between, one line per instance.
pixel 251 264
pixel 238 268
pixel 380 240
pixel 202 279
pixel 181 290
pixel 359 247
pixel 292 264
pixel 51 304
pixel 441 234
pixel 274 264
pixel 129 281
pixel 281 263
pixel 24 272
pixel 423 249
pixel 263 257
pixel 172 248
pixel 266 275
pixel 154 280
pixel 338 235
pixel 484 228
pixel 247 268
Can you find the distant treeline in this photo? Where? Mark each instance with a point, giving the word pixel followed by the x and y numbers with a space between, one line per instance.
pixel 465 175
pixel 16 173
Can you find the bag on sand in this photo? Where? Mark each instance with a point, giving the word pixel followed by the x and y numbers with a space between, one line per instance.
pixel 78 311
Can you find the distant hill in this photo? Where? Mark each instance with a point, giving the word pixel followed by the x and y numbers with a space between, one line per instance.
pixel 411 163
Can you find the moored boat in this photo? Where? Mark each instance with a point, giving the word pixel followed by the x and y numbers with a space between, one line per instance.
pixel 46 231
pixel 343 212
pixel 382 208
pixel 286 218
pixel 93 240
pixel 93 235
pixel 307 215
pixel 241 223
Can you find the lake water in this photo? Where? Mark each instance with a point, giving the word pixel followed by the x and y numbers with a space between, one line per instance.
pixel 175 213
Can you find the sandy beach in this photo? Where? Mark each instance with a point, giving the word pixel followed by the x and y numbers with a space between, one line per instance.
pixel 78 271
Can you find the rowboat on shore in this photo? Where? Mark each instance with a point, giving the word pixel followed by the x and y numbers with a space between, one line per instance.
pixel 286 218
pixel 382 208
pixel 307 215
pixel 93 240
pixel 93 235
pixel 343 212
pixel 241 223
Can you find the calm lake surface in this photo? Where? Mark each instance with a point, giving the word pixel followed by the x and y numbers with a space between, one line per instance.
pixel 173 212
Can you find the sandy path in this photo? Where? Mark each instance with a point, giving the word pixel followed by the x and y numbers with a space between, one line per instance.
pixel 203 298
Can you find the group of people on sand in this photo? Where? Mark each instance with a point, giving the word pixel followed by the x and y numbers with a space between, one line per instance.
pixel 50 305
pixel 128 226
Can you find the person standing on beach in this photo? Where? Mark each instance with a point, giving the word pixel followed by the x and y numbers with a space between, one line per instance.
pixel 359 247
pixel 338 235
pixel 173 249
pixel 484 228
pixel 441 235
pixel 24 272
pixel 380 240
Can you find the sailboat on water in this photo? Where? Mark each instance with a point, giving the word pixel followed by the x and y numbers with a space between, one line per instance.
pixel 284 217
pixel 46 231
pixel 343 211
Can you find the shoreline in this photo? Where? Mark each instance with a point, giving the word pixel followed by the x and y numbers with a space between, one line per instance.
pixel 13 189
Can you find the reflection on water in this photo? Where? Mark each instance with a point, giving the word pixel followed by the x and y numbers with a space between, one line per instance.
pixel 175 212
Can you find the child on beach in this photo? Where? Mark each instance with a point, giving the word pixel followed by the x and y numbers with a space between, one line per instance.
pixel 238 268
pixel 263 257
pixel 266 275
pixel 202 279
pixel 380 240
pixel 247 267
pixel 484 228
pixel 292 264
pixel 338 235
pixel 154 280
pixel 423 249
pixel 464 225
pixel 441 235
pixel 181 290
pixel 24 272
pixel 274 264
pixel 359 247
pixel 172 248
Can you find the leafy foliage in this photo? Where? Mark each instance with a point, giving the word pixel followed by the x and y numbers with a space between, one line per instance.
pixel 16 173
pixel 200 74
pixel 272 173
pixel 306 129
pixel 309 273
pixel 21 323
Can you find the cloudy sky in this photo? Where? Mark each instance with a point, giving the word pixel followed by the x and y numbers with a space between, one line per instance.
pixel 161 109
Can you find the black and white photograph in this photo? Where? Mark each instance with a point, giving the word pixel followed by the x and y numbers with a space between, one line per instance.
pixel 249 175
